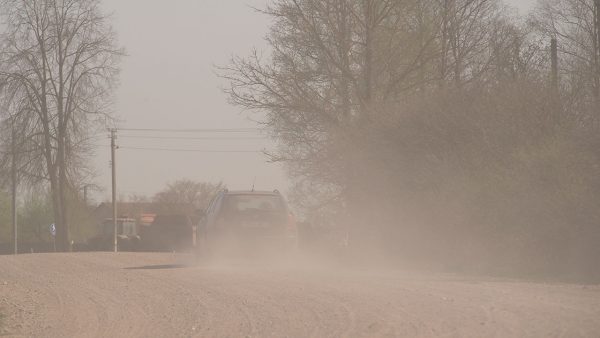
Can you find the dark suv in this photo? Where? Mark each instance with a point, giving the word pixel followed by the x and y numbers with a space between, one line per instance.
pixel 247 220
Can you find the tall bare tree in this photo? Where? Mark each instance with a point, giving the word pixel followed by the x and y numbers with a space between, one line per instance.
pixel 464 38
pixel 334 64
pixel 60 61
pixel 575 24
pixel 435 119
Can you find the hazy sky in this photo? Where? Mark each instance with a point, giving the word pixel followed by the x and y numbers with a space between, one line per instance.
pixel 522 5
pixel 168 81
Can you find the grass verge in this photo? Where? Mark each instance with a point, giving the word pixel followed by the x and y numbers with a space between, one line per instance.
pixel 2 318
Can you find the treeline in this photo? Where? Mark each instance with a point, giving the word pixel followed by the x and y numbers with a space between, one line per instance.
pixel 35 212
pixel 34 217
pixel 443 131
pixel 59 62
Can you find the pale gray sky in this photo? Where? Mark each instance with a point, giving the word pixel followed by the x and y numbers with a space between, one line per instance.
pixel 523 5
pixel 168 81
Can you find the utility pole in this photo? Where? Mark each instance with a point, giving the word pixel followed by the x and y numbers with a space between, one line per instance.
pixel 14 188
pixel 113 148
pixel 85 189
pixel 554 61
pixel 596 44
pixel 554 82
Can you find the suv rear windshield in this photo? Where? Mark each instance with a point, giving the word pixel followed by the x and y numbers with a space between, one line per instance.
pixel 247 203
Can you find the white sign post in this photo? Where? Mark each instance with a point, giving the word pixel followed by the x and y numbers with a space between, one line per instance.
pixel 53 233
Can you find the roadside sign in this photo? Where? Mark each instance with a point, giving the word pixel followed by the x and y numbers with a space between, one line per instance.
pixel 53 229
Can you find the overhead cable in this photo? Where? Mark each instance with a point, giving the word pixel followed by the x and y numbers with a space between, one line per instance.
pixel 206 130
pixel 192 138
pixel 190 150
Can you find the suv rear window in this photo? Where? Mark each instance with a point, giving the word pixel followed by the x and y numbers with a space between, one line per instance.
pixel 245 203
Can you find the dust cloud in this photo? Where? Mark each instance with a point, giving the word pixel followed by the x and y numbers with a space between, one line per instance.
pixel 415 168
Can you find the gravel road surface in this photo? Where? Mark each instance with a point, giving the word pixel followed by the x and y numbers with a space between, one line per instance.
pixel 159 295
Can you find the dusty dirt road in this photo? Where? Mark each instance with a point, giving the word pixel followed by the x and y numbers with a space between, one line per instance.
pixel 154 295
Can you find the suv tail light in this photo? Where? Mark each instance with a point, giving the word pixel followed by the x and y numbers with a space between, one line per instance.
pixel 291 225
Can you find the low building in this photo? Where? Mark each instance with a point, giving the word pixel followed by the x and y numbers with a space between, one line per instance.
pixel 143 212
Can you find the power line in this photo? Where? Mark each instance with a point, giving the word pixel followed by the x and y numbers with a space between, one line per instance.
pixel 192 138
pixel 191 150
pixel 206 130
pixel 113 148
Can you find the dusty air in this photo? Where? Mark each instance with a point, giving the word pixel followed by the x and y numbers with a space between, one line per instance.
pixel 300 168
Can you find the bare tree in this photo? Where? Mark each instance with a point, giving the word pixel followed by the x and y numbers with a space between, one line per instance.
pixel 60 60
pixel 432 122
pixel 576 26
pixel 464 36
pixel 197 194
pixel 335 63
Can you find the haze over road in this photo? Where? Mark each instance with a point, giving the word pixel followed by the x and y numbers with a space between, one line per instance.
pixel 137 295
